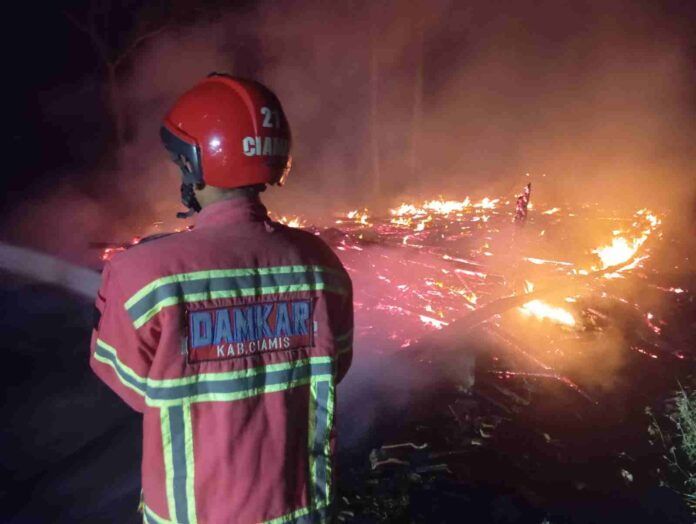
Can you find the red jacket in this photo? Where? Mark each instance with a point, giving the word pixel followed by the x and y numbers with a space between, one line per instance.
pixel 230 339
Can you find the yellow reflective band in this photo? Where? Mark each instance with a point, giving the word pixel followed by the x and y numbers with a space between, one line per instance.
pixel 190 464
pixel 313 394
pixel 230 293
pixel 291 517
pixel 153 518
pixel 231 375
pixel 221 273
pixel 327 440
pixel 168 463
pixel 123 372
pixel 238 395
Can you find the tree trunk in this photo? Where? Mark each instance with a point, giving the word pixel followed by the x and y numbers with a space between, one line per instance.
pixel 417 100
pixel 374 132
pixel 115 106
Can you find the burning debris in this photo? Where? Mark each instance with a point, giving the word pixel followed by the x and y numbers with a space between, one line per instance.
pixel 423 267
pixel 553 339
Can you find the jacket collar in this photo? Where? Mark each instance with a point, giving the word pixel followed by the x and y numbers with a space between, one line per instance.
pixel 233 210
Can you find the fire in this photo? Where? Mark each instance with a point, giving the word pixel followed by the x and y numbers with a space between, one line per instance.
pixel 439 207
pixel 442 207
pixel 544 311
pixel 430 321
pixel 445 207
pixel 422 223
pixel 619 251
pixel 401 221
pixel 623 248
pixel 487 203
pixel 357 216
pixel 451 260
pixel 292 221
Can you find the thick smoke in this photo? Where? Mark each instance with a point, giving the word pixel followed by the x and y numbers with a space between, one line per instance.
pixel 409 100
pixel 394 101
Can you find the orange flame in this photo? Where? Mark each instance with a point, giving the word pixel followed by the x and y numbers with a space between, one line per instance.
pixel 543 311
pixel 623 247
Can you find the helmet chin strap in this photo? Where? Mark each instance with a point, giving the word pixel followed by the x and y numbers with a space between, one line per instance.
pixel 188 198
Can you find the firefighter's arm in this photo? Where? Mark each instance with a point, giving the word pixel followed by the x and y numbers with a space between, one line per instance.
pixel 118 354
pixel 344 338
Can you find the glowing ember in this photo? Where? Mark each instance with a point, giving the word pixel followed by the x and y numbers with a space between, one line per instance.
pixel 551 211
pixel 421 224
pixel 292 221
pixel 541 261
pixel 358 216
pixel 439 207
pixel 623 248
pixel 487 203
pixel 430 321
pixel 446 258
pixel 544 311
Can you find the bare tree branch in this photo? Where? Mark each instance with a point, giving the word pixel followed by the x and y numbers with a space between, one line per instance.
pixel 90 31
pixel 79 25
pixel 137 42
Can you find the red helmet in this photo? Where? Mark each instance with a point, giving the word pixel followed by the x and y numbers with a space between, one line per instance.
pixel 228 132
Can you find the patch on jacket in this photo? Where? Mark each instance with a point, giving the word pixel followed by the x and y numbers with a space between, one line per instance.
pixel 245 330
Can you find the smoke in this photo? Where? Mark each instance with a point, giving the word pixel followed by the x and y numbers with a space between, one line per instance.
pixel 395 100
pixel 415 99
pixel 410 100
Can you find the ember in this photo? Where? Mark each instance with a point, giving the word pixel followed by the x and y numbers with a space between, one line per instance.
pixel 623 249
pixel 542 311
pixel 448 257
pixel 552 309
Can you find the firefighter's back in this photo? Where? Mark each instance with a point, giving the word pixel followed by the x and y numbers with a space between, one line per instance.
pixel 246 327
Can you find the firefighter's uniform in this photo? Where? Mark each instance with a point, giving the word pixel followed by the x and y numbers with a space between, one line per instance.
pixel 230 339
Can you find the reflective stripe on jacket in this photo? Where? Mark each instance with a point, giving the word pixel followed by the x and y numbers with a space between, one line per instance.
pixel 230 339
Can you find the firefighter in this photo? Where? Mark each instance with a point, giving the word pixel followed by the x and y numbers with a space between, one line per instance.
pixel 229 338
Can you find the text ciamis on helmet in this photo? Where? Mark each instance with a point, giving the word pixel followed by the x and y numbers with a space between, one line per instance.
pixel 227 132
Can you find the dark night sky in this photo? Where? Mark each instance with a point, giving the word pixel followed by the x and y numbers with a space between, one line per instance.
pixel 50 58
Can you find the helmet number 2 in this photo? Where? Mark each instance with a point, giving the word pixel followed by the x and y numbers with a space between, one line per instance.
pixel 270 118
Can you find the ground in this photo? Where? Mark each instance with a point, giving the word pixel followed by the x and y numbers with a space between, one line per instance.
pixel 433 426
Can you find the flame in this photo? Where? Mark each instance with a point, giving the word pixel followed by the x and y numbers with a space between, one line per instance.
pixel 421 224
pixel 442 207
pixel 623 246
pixel 401 221
pixel 429 321
pixel 543 311
pixel 542 261
pixel 292 221
pixel 360 217
pixel 439 207
pixel 487 203
pixel 619 251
